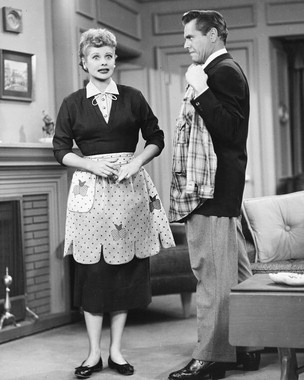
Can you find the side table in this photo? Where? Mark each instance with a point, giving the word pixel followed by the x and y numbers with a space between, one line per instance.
pixel 267 314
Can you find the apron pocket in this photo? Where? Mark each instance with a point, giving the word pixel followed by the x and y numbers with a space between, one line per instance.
pixel 82 191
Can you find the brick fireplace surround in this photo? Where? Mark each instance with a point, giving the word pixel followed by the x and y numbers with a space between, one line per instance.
pixel 30 172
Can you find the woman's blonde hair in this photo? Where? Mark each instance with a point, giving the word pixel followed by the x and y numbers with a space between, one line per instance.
pixel 96 38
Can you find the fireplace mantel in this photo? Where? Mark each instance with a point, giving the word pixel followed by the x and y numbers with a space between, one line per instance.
pixel 27 154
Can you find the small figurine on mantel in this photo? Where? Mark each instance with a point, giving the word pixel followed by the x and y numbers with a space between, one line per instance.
pixel 48 128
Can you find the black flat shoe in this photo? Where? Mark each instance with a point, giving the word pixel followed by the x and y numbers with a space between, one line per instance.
pixel 84 372
pixel 249 361
pixel 199 368
pixel 124 369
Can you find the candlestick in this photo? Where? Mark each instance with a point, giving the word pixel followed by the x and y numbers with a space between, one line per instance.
pixel 7 316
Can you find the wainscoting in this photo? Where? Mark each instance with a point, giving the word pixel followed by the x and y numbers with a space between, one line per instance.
pixel 29 172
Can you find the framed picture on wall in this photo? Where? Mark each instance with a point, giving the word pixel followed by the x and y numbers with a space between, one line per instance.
pixel 16 75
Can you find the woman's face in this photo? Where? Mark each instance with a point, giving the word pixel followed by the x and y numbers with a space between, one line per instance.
pixel 100 63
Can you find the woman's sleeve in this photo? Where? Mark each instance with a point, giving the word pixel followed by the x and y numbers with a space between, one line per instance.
pixel 149 127
pixel 63 138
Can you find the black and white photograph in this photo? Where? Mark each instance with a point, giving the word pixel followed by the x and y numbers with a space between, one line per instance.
pixel 152 189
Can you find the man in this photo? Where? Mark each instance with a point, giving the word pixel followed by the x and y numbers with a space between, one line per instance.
pixel 207 187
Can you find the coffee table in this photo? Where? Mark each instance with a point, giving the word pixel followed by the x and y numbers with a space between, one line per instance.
pixel 266 314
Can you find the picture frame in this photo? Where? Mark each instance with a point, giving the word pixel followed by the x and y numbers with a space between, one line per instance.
pixel 16 75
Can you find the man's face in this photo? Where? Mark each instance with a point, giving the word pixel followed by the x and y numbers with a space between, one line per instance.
pixel 199 46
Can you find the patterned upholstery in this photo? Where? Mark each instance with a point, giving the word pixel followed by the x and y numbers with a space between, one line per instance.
pixel 295 266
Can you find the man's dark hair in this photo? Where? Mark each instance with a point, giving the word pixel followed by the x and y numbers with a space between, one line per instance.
pixel 206 20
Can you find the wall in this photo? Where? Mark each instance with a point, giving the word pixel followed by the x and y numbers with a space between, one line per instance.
pixel 22 121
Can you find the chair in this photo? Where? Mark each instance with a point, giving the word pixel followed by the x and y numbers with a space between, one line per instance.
pixel 274 230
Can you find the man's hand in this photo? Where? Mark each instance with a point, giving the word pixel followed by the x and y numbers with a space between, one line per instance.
pixel 197 78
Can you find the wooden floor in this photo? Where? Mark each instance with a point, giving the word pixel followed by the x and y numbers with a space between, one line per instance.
pixel 157 341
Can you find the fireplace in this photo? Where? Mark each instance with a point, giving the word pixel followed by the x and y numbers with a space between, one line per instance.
pixel 33 196
pixel 11 253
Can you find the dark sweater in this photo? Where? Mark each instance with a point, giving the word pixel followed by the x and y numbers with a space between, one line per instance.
pixel 79 120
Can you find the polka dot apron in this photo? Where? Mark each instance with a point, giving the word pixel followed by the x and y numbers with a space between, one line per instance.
pixel 121 219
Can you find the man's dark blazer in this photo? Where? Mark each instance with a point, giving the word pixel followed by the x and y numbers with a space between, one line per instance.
pixel 224 107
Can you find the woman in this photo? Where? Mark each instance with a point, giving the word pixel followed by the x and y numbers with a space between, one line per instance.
pixel 115 219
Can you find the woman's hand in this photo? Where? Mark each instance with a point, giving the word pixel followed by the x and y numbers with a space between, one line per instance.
pixel 104 168
pixel 126 171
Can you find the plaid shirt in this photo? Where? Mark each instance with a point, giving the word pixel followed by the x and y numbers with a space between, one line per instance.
pixel 194 162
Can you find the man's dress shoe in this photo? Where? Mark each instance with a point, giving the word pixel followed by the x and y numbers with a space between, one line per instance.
pixel 250 361
pixel 197 369
pixel 84 372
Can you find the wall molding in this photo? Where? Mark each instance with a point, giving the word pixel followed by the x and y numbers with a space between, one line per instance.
pixel 86 8
pixel 120 17
pixel 284 13
pixel 236 17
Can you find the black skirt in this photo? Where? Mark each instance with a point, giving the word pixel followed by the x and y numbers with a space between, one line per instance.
pixel 101 287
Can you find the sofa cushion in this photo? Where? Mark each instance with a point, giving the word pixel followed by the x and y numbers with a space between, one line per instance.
pixel 277 226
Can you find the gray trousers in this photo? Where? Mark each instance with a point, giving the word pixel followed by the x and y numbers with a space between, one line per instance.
pixel 219 261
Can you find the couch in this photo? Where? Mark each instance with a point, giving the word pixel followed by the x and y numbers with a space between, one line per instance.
pixel 274 230
pixel 171 271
